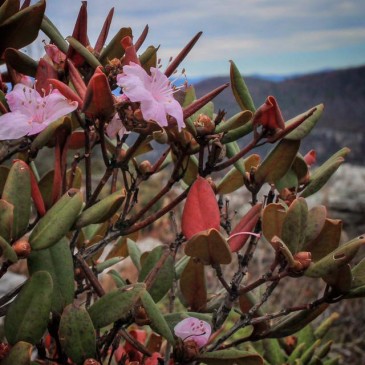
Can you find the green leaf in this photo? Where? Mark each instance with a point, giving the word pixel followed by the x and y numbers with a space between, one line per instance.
pixel 102 210
pixel 114 49
pixel 7 251
pixel 289 181
pixel 134 253
pixel 240 90
pixel 336 259
pixel 8 8
pixel 56 223
pixel 54 35
pixel 148 58
pixel 278 162
pixel 273 352
pixel 19 354
pixel 107 263
pixel 57 261
pixel 230 357
pixel 84 52
pixel 238 120
pixel 358 274
pixel 165 276
pixel 17 192
pixel 273 217
pixel 158 322
pixel 320 177
pixel 77 334
pixel 118 280
pixel 6 219
pixel 4 170
pixel 22 28
pixel 315 222
pixel 327 240
pixel 294 225
pixel 21 62
pixel 295 322
pixel 323 328
pixel 308 354
pixel 305 128
pixel 27 317
pixel 237 133
pixel 115 305
pixel 232 149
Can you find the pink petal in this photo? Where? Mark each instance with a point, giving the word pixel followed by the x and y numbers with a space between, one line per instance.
pixel 23 99
pixel 152 110
pixel 193 329
pixel 57 106
pixel 115 127
pixel 133 87
pixel 14 125
pixel 174 109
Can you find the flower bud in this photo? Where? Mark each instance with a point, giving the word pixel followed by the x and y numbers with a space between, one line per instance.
pixel 22 248
pixel 145 167
pixel 303 260
pixel 204 125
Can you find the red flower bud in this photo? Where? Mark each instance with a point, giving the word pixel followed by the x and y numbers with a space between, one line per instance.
pixel 269 116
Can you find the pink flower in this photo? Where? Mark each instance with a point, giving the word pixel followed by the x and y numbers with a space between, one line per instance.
pixel 153 92
pixel 55 54
pixel 115 127
pixel 193 329
pixel 30 112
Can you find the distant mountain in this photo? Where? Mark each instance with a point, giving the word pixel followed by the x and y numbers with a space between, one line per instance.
pixel 341 91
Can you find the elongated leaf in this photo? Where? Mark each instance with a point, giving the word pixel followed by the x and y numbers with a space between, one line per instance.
pixel 192 285
pixel 54 35
pixel 246 224
pixel 295 322
pixel 336 259
pixel 273 352
pixel 305 128
pixel 327 240
pixel 101 211
pixel 273 220
pixel 315 223
pixel 134 253
pixel 240 90
pixel 77 334
pixel 22 28
pixel 7 251
pixel 358 273
pixel 84 52
pixel 27 317
pixel 234 122
pixel 158 322
pixel 165 276
pixel 115 305
pixel 278 162
pixel 57 221
pixel 231 357
pixel 201 210
pixel 6 219
pixel 294 225
pixel 20 62
pixel 8 8
pixel 114 49
pixel 18 193
pixel 57 261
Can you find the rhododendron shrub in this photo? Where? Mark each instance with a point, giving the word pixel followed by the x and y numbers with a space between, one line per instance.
pixel 199 297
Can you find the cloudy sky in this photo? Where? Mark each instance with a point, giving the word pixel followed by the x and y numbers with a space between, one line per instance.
pixel 261 36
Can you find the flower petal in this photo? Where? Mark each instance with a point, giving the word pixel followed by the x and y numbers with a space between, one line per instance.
pixel 193 329
pixel 174 109
pixel 57 106
pixel 23 99
pixel 152 110
pixel 14 125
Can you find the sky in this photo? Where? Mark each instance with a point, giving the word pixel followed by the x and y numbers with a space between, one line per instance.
pixel 269 37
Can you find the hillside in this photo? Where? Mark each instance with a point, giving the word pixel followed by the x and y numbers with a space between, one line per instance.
pixel 341 91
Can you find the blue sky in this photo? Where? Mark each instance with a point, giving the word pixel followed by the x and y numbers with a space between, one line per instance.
pixel 261 36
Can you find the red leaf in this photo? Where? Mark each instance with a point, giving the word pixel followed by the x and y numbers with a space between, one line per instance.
pixel 36 195
pixel 45 71
pixel 246 224
pixel 201 210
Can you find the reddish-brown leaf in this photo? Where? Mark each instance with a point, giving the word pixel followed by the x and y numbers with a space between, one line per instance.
pixel 246 224
pixel 201 210
pixel 45 71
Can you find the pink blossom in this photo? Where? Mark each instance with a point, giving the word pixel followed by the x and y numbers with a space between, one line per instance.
pixel 30 112
pixel 115 127
pixel 55 54
pixel 193 329
pixel 153 92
